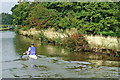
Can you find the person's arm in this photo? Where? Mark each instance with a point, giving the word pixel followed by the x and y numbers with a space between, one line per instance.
pixel 27 52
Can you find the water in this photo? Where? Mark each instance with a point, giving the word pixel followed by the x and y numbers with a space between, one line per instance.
pixel 52 62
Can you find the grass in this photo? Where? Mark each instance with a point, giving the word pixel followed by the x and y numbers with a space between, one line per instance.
pixel 102 41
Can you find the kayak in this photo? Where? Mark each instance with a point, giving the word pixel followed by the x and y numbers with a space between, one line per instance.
pixel 33 56
pixel 30 56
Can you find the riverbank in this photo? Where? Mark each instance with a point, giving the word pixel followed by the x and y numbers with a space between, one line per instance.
pixel 6 27
pixel 70 39
pixel 3 29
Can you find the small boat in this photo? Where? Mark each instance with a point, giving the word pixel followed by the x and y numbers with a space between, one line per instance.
pixel 28 56
pixel 33 56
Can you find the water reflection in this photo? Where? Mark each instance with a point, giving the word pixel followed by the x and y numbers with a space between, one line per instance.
pixel 22 43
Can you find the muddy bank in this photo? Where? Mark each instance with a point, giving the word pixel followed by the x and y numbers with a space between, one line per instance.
pixel 100 44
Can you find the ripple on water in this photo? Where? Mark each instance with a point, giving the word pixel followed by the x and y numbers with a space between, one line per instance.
pixel 41 56
pixel 53 75
pixel 80 62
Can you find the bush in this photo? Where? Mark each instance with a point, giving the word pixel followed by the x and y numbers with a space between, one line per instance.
pixel 43 37
pixel 58 41
pixel 76 42
pixel 25 28
pixel 17 30
pixel 40 17
pixel 36 36
pixel 110 33
pixel 91 18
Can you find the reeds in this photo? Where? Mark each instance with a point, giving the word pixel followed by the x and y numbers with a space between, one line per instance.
pixel 102 41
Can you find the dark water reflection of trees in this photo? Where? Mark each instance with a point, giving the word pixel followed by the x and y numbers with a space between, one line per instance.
pixel 22 43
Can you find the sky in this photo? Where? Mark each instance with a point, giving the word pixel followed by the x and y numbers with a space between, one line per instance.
pixel 6 5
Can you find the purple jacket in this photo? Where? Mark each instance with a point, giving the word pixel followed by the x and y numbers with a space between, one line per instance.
pixel 32 50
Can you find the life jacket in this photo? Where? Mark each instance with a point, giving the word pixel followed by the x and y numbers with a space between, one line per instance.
pixel 32 50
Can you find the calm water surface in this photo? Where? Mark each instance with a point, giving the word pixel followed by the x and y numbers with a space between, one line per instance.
pixel 52 62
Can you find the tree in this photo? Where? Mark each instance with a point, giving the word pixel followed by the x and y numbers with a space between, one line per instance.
pixel 7 19
pixel 88 17
pixel 40 17
pixel 20 12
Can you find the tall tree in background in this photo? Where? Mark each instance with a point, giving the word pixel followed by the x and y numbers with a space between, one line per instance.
pixel 7 19
pixel 41 17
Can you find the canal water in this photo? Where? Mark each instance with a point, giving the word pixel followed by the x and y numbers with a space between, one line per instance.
pixel 53 61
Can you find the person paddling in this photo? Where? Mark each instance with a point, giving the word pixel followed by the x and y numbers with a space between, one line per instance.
pixel 31 52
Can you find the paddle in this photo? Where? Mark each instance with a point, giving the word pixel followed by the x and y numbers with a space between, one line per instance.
pixel 22 55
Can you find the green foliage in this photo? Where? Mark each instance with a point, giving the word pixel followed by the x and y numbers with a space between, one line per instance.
pixel 58 41
pixel 43 37
pixel 41 17
pixel 76 42
pixel 20 12
pixel 6 19
pixel 25 28
pixel 111 33
pixel 108 52
pixel 17 30
pixel 87 17
pixel 3 26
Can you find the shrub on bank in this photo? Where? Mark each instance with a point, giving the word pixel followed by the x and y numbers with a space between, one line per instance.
pixel 25 28
pixel 36 36
pixel 76 42
pixel 43 37
pixel 17 30
pixel 58 41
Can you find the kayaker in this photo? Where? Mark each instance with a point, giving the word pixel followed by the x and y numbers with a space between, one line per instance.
pixel 31 52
